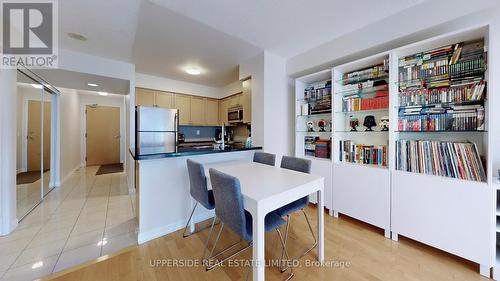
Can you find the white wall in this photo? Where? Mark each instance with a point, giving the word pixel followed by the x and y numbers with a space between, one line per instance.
pixel 278 107
pixel 70 132
pixel 231 89
pixel 392 32
pixel 254 68
pixel 272 105
pixel 8 100
pixel 176 86
pixel 80 62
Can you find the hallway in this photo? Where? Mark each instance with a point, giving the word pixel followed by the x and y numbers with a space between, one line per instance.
pixel 87 217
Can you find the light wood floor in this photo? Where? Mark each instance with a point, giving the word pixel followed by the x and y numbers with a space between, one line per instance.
pixel 370 254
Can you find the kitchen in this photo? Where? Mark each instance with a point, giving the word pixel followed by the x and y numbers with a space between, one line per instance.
pixel 170 127
pixel 200 118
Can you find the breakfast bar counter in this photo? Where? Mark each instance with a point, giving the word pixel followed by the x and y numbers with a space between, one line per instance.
pixel 162 187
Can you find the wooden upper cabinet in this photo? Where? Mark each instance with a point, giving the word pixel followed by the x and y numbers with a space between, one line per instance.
pixel 198 110
pixel 144 97
pixel 164 100
pixel 246 101
pixel 212 113
pixel 183 104
pixel 235 100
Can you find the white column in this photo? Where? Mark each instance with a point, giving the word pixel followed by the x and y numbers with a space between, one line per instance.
pixel 55 144
pixel 8 105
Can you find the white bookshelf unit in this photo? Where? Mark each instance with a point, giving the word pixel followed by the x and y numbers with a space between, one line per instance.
pixel 361 182
pixel 449 213
pixel 313 104
pixel 449 204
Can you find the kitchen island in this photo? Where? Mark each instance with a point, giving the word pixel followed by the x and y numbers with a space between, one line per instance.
pixel 162 187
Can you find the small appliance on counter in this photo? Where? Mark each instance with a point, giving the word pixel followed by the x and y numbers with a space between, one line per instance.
pixel 182 138
pixel 156 130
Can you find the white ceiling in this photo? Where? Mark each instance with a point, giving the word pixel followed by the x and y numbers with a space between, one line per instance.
pixel 287 27
pixel 75 80
pixel 162 36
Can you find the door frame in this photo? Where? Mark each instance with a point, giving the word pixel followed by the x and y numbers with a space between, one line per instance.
pixel 83 152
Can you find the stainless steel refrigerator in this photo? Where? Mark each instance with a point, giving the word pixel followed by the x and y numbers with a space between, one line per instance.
pixel 157 130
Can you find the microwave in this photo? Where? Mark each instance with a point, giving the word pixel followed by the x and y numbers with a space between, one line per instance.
pixel 235 114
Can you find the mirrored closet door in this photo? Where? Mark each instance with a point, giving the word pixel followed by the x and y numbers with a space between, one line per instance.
pixel 34 141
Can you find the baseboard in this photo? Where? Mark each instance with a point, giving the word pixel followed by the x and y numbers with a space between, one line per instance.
pixel 149 235
pixel 58 183
pixel 12 225
pixel 21 170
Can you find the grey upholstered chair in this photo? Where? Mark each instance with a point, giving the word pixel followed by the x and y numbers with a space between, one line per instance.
pixel 304 166
pixel 200 193
pixel 230 211
pixel 264 158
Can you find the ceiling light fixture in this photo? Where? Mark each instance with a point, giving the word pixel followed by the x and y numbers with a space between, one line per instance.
pixel 103 94
pixel 193 71
pixel 37 86
pixel 92 85
pixel 37 265
pixel 77 36
pixel 102 242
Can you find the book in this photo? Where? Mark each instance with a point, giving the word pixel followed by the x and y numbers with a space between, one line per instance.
pixel 450 159
pixel 362 154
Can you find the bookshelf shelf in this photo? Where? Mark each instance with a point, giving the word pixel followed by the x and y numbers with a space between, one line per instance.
pixel 361 170
pixel 363 132
pixel 363 91
pixel 443 104
pixel 364 165
pixel 363 111
pixel 313 109
pixel 315 115
pixel 431 202
pixel 364 78
pixel 448 131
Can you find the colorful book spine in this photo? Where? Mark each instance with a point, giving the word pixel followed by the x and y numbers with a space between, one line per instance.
pixel 363 154
pixel 449 159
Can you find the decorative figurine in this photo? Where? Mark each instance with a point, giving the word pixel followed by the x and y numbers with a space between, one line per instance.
pixel 369 122
pixel 384 123
pixel 322 125
pixel 354 123
pixel 310 126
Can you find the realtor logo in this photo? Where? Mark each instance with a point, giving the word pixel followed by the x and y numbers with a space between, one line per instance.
pixel 29 34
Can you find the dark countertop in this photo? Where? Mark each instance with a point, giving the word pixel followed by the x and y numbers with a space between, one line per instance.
pixel 188 151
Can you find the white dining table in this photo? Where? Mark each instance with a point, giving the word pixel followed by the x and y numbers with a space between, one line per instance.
pixel 266 188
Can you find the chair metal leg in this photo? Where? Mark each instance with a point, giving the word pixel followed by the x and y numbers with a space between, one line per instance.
pixel 184 233
pixel 288 218
pixel 312 233
pixel 218 263
pixel 208 238
pixel 286 254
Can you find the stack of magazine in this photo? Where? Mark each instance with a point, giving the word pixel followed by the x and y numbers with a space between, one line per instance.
pixel 449 159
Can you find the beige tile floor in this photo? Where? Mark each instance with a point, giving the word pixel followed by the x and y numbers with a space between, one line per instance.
pixel 87 217
pixel 28 195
